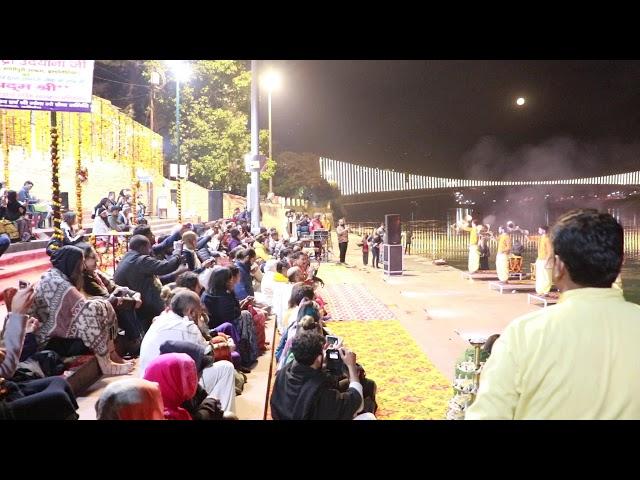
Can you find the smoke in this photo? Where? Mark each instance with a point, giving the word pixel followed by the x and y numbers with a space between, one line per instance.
pixel 556 158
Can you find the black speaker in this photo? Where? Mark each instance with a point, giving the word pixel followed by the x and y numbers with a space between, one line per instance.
pixel 392 226
pixel 215 205
pixel 64 200
pixel 392 263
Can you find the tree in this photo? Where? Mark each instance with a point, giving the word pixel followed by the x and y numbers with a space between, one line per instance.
pixel 214 109
pixel 298 175
pixel 214 124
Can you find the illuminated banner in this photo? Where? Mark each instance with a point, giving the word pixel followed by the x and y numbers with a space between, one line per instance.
pixel 61 85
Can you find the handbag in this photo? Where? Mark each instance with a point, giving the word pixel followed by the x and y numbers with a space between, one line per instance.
pixel 221 349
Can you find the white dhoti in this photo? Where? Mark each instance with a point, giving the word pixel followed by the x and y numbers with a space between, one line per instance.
pixel 474 258
pixel 220 382
pixel 502 266
pixel 543 277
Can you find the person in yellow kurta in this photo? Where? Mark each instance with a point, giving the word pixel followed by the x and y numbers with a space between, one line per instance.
pixel 577 359
pixel 474 252
pixel 502 255
pixel 544 262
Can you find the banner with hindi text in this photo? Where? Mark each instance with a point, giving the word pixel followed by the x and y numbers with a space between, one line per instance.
pixel 60 85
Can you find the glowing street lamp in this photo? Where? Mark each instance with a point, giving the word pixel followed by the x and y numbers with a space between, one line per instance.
pixel 271 80
pixel 181 72
pixel 520 101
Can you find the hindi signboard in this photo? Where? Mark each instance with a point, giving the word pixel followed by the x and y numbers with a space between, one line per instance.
pixel 58 85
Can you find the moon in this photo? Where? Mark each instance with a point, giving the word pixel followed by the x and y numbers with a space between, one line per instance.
pixel 520 101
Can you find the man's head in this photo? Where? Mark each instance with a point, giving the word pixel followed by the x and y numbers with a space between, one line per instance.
pixel 589 249
pixel 249 256
pixel 186 303
pixel 28 185
pixel 307 349
pixel 282 266
pixel 145 231
pixel 114 210
pixel 189 280
pixel 69 217
pixel 189 238
pixel 543 230
pixel 341 222
pixel 140 244
pixel 294 274
pixel 299 259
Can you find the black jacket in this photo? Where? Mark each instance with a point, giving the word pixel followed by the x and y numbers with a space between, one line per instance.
pixel 221 308
pixel 304 393
pixel 138 272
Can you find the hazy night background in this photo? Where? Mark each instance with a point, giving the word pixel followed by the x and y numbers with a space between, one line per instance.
pixel 459 118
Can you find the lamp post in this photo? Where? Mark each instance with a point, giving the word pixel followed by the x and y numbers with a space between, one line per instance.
pixel 181 71
pixel 271 81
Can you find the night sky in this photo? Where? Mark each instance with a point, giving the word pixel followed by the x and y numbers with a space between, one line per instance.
pixel 459 118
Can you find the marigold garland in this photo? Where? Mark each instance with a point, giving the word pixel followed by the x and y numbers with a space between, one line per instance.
pixel 55 198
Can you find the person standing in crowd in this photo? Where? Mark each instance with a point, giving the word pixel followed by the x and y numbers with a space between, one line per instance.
pixel 502 255
pixel 544 262
pixel 343 239
pixel 365 249
pixel 376 244
pixel 483 248
pixel 474 255
pixel 407 241
pixel 577 360
pixel 326 221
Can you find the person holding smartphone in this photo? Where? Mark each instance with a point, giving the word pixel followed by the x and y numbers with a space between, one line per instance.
pixel 302 392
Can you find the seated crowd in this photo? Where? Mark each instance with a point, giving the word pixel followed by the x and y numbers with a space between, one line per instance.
pixel 191 306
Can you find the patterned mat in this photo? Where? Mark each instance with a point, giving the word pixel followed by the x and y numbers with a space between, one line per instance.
pixel 410 387
pixel 354 302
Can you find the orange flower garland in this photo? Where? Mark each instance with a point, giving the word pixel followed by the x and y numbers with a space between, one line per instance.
pixel 55 198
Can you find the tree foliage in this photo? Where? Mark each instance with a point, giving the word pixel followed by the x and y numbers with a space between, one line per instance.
pixel 298 175
pixel 214 110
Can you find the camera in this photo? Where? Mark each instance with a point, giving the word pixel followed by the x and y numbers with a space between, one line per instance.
pixel 334 362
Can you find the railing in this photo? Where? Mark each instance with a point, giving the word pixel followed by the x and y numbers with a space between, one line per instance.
pixel 435 239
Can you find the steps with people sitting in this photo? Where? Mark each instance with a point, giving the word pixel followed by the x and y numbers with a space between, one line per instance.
pixel 27 265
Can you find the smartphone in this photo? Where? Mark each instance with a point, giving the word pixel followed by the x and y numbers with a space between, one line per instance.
pixel 177 246
pixel 333 355
pixel 332 340
pixel 22 284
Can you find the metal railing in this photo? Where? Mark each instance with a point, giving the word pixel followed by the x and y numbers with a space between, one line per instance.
pixel 436 239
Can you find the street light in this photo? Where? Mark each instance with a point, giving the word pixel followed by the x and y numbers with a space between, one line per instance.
pixel 271 81
pixel 181 71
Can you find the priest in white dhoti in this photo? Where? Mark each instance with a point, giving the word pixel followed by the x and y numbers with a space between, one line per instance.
pixel 544 262
pixel 502 255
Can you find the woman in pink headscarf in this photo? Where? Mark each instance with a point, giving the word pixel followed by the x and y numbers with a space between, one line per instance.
pixel 177 377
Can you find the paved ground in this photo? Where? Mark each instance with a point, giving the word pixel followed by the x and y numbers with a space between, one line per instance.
pixel 434 302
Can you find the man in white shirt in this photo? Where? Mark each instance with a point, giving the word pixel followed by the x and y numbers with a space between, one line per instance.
pixel 180 324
